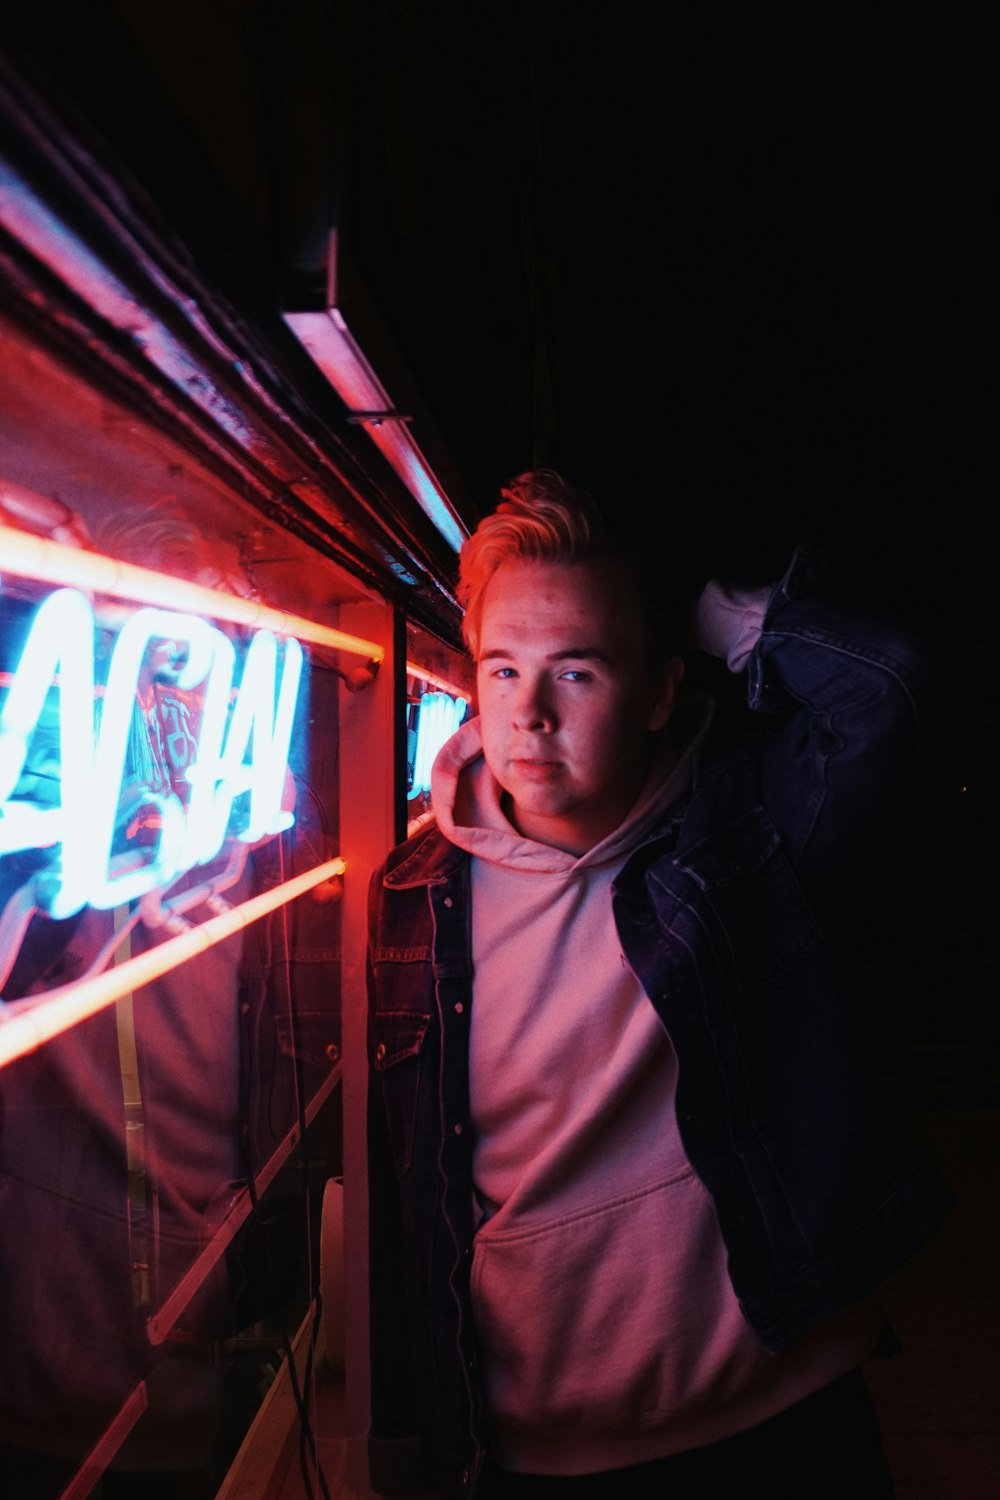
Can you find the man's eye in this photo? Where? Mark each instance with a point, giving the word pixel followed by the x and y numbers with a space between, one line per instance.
pixel 576 675
pixel 504 672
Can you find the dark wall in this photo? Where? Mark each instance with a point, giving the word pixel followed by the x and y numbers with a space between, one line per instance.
pixel 736 288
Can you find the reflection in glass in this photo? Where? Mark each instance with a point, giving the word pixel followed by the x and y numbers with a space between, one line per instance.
pixel 154 770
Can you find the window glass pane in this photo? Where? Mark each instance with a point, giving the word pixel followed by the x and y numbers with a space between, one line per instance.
pixel 167 775
pixel 439 699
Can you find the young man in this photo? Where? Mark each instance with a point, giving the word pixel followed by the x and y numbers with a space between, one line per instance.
pixel 630 1198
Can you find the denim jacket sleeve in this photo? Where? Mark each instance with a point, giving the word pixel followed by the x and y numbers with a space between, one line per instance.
pixel 855 692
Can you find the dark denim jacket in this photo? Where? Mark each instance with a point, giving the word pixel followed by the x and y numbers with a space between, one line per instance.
pixel 818 1200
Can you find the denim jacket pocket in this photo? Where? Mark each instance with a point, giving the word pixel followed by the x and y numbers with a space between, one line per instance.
pixel 397 1041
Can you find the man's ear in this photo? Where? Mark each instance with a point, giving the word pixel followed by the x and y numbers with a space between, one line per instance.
pixel 671 676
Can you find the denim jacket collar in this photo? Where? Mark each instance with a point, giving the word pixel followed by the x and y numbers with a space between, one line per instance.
pixel 433 860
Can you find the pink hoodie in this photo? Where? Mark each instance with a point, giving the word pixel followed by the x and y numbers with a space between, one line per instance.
pixel 610 1330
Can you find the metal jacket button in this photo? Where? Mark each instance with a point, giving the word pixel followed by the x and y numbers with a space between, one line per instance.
pixel 380 1053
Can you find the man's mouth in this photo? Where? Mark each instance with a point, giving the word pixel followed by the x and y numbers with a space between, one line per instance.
pixel 535 766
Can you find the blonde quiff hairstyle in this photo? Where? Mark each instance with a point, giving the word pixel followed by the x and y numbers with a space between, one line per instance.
pixel 540 518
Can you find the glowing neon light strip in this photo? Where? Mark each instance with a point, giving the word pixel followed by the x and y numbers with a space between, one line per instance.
pixel 163 1320
pixel 107 1445
pixel 435 681
pixel 327 339
pixel 52 562
pixel 439 717
pixel 26 1025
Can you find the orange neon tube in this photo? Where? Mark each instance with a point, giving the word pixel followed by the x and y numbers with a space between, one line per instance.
pixel 26 1024
pixel 438 682
pixel 107 1444
pixel 46 561
pixel 163 1320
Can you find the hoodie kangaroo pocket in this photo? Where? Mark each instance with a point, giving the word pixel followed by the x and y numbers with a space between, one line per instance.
pixel 599 1317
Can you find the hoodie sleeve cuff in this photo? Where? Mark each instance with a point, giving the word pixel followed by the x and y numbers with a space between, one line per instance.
pixel 729 621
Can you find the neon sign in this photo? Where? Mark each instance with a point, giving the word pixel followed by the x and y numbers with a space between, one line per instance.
pixel 438 716
pixel 68 756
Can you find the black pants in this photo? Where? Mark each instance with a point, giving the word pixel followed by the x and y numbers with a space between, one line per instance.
pixel 827 1447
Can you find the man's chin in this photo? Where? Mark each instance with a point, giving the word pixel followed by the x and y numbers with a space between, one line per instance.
pixel 536 805
pixel 542 798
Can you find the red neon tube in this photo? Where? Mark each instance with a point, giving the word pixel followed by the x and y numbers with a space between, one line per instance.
pixel 25 1025
pixel 36 557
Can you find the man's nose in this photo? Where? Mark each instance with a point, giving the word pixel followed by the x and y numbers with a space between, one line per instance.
pixel 534 709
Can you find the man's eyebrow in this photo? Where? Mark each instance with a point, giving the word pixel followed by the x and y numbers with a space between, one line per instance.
pixel 581 653
pixel 569 653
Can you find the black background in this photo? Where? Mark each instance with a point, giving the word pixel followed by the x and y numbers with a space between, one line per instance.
pixel 735 278
pixel 737 284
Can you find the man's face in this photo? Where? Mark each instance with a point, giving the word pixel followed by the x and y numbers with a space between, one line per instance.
pixel 567 698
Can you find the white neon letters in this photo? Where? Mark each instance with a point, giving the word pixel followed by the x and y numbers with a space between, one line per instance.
pixel 72 765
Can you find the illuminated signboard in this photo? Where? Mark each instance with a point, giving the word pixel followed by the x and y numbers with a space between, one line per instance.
pixel 130 779
pixel 438 716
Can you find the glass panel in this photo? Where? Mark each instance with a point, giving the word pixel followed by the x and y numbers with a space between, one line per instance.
pixel 164 774
pixel 440 683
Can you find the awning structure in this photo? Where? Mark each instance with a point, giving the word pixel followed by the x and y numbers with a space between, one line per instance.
pixel 90 269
